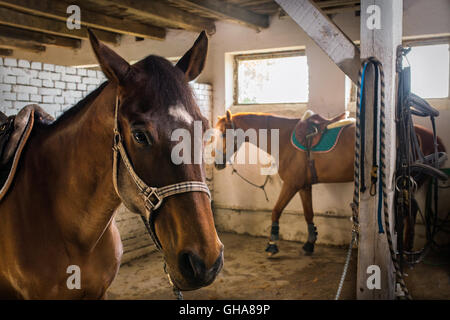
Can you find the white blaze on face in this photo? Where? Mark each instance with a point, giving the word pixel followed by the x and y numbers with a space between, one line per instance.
pixel 179 112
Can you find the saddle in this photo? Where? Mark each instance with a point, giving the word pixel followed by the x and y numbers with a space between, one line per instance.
pixel 311 127
pixel 308 133
pixel 14 134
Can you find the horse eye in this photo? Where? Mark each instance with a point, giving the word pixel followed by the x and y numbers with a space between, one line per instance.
pixel 140 137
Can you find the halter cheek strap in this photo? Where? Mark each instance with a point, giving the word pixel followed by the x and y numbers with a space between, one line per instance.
pixel 152 196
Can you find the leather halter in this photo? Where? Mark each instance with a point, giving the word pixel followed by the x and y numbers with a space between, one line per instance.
pixel 153 197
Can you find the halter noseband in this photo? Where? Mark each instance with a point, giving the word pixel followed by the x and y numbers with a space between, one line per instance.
pixel 153 197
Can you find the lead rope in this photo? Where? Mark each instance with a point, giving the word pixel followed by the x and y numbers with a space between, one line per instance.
pixel 355 204
pixel 356 178
pixel 398 272
pixel 262 186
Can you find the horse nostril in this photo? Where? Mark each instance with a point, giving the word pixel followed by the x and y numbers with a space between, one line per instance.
pixel 194 270
pixel 192 266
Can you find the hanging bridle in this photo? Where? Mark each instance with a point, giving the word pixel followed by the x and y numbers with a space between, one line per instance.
pixel 153 197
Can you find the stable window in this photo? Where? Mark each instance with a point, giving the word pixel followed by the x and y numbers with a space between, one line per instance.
pixel 271 78
pixel 429 70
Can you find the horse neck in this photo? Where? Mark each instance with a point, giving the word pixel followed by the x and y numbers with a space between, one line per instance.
pixel 78 152
pixel 270 122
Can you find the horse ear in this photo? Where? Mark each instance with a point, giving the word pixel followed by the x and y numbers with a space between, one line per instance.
pixel 229 116
pixel 193 61
pixel 113 66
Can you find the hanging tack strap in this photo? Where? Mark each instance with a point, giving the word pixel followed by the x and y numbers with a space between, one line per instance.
pixel 359 183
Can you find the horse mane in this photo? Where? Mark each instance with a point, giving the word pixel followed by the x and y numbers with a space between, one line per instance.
pixel 166 83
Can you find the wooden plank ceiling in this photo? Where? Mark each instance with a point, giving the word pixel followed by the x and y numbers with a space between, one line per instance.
pixel 35 24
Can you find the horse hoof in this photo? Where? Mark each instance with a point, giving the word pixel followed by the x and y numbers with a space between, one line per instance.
pixel 308 248
pixel 272 249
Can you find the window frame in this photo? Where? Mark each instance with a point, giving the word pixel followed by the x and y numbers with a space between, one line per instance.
pixel 430 42
pixel 413 42
pixel 262 56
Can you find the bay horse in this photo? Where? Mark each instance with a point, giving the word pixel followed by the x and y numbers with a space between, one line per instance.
pixel 334 166
pixel 60 210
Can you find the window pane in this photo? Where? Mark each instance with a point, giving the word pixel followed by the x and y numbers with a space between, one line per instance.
pixel 273 80
pixel 430 70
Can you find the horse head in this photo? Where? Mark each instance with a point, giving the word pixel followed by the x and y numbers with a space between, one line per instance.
pixel 222 153
pixel 154 99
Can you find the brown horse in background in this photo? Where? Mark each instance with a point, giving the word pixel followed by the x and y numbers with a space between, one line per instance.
pixel 334 166
pixel 60 209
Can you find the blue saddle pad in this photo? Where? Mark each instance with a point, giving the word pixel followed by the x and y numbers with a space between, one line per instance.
pixel 327 142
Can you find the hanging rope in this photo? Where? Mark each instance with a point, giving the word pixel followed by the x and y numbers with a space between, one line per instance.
pixel 356 178
pixel 398 272
pixel 399 275
pixel 359 182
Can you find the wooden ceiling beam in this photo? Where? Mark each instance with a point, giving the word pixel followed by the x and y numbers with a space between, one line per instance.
pixel 161 14
pixel 21 44
pixel 39 37
pixel 336 3
pixel 57 10
pixel 229 11
pixel 335 10
pixel 4 52
pixel 326 34
pixel 41 24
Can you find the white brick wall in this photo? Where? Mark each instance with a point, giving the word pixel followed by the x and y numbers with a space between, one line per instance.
pixel 52 87
pixel 203 94
pixel 57 88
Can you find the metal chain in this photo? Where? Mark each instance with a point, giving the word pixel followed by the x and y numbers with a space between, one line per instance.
pixel 355 204
pixel 347 263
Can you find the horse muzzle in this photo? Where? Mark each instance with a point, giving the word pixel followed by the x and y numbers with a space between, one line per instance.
pixel 194 272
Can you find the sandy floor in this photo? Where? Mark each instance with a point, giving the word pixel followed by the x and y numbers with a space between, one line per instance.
pixel 249 274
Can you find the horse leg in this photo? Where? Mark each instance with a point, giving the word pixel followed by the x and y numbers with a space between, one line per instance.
pixel 286 194
pixel 306 196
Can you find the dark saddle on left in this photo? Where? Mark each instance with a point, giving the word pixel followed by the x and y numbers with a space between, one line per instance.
pixel 14 134
pixel 309 131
